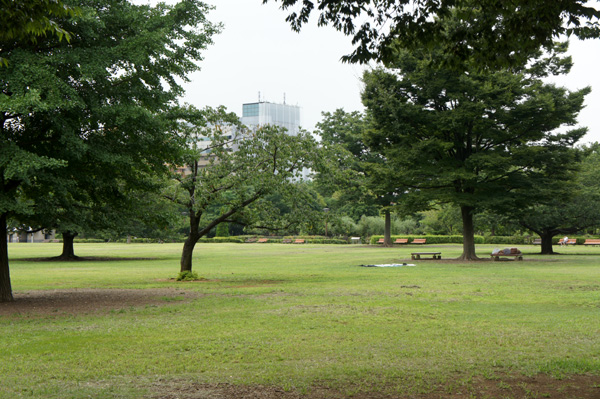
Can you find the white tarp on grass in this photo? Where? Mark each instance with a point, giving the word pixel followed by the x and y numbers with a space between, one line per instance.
pixel 390 265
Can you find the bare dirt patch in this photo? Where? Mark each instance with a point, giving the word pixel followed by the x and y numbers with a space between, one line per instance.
pixel 84 301
pixel 83 259
pixel 513 387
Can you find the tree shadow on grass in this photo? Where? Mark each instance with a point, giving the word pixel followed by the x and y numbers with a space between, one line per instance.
pixel 82 259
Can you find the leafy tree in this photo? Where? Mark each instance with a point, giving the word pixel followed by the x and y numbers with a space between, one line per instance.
pixel 576 210
pixel 343 184
pixel 87 120
pixel 222 228
pixel 490 32
pixel 229 168
pixel 27 20
pixel 476 139
pixel 444 220
pixel 355 192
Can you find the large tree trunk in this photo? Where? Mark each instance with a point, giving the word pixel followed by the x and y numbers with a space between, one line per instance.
pixel 5 288
pixel 68 252
pixel 468 234
pixel 190 243
pixel 187 253
pixel 546 237
pixel 387 233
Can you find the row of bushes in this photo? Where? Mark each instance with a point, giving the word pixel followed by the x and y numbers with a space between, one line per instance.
pixel 307 239
pixel 234 239
pixel 458 239
pixel 431 239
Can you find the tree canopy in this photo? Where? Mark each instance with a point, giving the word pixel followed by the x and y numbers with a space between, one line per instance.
pixel 577 209
pixel 82 120
pixel 495 33
pixel 232 171
pixel 478 139
pixel 28 20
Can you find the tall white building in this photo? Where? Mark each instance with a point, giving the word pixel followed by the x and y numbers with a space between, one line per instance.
pixel 265 113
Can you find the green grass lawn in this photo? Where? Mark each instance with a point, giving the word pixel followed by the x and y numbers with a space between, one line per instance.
pixel 299 316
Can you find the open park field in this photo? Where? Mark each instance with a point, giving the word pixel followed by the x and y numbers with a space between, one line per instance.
pixel 300 321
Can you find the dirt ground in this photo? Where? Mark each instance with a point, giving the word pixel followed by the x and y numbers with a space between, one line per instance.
pixel 91 301
pixel 85 301
pixel 540 386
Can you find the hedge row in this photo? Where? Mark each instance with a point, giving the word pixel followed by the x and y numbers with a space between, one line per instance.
pixel 431 239
pixel 234 239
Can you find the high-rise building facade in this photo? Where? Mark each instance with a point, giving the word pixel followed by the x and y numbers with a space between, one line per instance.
pixel 265 113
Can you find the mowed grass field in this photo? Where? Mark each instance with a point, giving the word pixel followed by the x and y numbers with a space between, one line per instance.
pixel 299 318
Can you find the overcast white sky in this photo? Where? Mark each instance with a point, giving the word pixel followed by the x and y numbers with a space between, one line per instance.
pixel 258 52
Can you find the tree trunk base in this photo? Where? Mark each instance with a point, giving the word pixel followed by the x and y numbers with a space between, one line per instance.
pixel 66 258
pixel 469 258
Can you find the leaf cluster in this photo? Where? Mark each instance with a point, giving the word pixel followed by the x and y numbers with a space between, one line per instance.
pixel 495 33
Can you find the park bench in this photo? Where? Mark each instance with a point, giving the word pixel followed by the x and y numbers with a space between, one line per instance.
pixel 381 241
pixel 287 241
pixel 299 241
pixel 401 241
pixel 251 239
pixel 570 241
pixel 417 255
pixel 591 241
pixel 537 241
pixel 263 239
pixel 419 241
pixel 514 253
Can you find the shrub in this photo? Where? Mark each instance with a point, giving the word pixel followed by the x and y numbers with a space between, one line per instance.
pixel 507 240
pixel 188 276
pixel 431 239
pixel 238 239
pixel 87 240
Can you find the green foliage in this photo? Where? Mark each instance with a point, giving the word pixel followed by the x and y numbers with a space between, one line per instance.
pixel 188 275
pixel 406 226
pixel 222 239
pixel 222 230
pixel 431 239
pixel 86 125
pixel 88 240
pixel 576 209
pixel 507 240
pixel 28 20
pixel 470 138
pixel 488 32
pixel 370 225
pixel 240 172
pixel 445 220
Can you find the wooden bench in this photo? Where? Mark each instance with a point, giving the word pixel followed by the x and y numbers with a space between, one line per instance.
pixel 263 239
pixel 419 241
pixel 251 239
pixel 287 241
pixel 591 241
pixel 537 241
pixel 401 241
pixel 299 241
pixel 417 255
pixel 517 255
pixel 381 241
pixel 570 241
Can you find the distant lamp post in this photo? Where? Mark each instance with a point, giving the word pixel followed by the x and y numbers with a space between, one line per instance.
pixel 326 210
